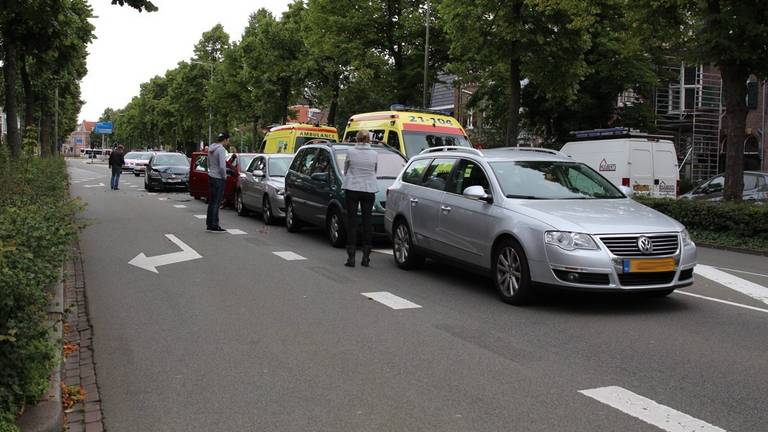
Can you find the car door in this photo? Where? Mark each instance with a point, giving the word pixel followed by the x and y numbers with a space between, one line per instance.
pixel 665 174
pixel 297 181
pixel 751 186
pixel 248 184
pixel 640 167
pixel 464 224
pixel 319 187
pixel 711 190
pixel 425 202
pixel 198 176
pixel 259 182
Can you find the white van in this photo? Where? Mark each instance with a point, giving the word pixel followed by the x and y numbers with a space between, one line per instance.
pixel 647 164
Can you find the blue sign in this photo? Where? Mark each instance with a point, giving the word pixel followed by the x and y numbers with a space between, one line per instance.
pixel 78 140
pixel 103 128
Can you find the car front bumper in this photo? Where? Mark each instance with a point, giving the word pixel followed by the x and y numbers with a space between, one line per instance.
pixel 601 270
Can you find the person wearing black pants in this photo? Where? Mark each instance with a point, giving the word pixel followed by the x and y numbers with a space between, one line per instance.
pixel 217 177
pixel 360 187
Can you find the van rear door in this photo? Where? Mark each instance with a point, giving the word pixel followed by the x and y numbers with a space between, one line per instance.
pixel 640 166
pixel 665 173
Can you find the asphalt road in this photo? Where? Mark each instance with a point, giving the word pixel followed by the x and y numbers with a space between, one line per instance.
pixel 244 340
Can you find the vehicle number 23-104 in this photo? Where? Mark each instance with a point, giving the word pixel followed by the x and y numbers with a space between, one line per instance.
pixel 419 119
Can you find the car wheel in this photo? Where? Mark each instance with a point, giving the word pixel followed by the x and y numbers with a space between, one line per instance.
pixel 292 223
pixel 337 233
pixel 266 211
pixel 403 251
pixel 239 205
pixel 511 276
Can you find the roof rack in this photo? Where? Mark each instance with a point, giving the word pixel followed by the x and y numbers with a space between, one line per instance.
pixel 532 149
pixel 452 148
pixel 613 133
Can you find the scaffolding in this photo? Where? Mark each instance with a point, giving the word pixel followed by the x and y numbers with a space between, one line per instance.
pixel 690 108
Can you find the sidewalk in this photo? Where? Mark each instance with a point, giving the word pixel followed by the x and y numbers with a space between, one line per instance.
pixel 79 369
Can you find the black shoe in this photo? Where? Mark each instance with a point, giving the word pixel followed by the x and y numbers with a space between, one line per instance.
pixel 350 257
pixel 216 229
pixel 366 257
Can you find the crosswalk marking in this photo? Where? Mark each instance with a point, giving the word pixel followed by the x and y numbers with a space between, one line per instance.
pixel 289 256
pixel 663 417
pixel 391 300
pixel 179 206
pixel 735 283
pixel 235 231
pixel 201 216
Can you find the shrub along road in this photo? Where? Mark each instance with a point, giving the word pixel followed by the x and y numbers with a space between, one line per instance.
pixel 268 331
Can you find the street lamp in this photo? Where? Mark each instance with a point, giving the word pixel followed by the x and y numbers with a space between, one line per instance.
pixel 210 110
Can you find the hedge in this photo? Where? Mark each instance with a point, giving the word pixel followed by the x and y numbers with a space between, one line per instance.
pixel 37 228
pixel 722 223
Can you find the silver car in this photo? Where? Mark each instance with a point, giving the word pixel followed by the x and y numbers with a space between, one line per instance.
pixel 261 187
pixel 531 217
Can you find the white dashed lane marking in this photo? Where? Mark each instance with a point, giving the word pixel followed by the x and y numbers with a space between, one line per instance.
pixel 201 216
pixel 391 300
pixel 163 199
pixel 235 231
pixel 179 206
pixel 743 306
pixel 663 417
pixel 383 251
pixel 735 283
pixel 289 256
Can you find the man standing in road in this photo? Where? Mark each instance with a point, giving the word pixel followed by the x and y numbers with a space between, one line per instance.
pixel 116 162
pixel 217 176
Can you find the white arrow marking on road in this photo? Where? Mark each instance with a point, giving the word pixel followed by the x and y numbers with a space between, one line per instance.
pixel 743 286
pixel 151 263
pixel 96 185
pixel 663 417
pixel 391 300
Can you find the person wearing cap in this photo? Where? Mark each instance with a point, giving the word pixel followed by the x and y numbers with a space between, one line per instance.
pixel 217 177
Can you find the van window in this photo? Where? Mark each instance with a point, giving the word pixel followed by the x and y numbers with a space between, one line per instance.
pixel 303 161
pixel 438 173
pixel 415 142
pixel 376 135
pixel 750 182
pixel 393 140
pixel 415 173
pixel 350 136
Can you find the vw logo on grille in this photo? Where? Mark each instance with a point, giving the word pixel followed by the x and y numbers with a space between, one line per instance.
pixel 645 245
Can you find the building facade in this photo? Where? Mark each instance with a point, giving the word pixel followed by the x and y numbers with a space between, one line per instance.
pixel 79 140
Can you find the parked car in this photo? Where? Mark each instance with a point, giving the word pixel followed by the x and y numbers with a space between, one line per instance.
pixel 313 193
pixel 136 161
pixel 262 187
pixel 755 188
pixel 167 171
pixel 645 163
pixel 198 174
pixel 529 217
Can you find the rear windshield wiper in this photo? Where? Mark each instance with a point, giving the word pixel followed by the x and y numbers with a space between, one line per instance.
pixel 523 196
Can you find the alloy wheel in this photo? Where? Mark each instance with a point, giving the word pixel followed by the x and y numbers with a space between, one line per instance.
pixel 401 244
pixel 508 271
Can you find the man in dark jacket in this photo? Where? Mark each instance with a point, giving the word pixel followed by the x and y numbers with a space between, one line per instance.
pixel 217 177
pixel 116 162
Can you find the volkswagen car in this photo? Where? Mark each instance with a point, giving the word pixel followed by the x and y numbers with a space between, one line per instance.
pixel 533 217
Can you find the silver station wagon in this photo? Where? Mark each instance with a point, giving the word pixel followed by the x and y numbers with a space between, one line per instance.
pixel 530 217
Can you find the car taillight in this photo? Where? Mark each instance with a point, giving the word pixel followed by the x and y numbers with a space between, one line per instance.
pixel 625 181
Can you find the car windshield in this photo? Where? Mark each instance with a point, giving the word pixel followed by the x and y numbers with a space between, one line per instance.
pixel 278 166
pixel 552 180
pixel 132 155
pixel 170 160
pixel 388 166
pixel 415 142
pixel 246 160
pixel 144 156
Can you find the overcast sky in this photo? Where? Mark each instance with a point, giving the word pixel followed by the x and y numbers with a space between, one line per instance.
pixel 132 47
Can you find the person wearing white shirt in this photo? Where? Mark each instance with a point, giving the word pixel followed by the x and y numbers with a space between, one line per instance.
pixel 360 187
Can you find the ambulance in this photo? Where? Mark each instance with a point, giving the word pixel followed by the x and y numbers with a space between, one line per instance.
pixel 289 138
pixel 407 130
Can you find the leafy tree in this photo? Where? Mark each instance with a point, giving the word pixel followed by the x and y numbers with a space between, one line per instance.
pixel 140 5
pixel 498 43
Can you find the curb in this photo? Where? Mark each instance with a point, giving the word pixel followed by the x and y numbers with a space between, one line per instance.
pixel 732 249
pixel 48 414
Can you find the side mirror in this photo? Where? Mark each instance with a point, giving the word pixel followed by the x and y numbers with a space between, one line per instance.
pixel 478 193
pixel 321 177
pixel 259 173
pixel 626 190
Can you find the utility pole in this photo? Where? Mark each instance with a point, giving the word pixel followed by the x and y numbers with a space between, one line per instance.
pixel 426 58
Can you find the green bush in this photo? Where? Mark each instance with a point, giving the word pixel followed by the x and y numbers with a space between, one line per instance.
pixel 36 230
pixel 723 223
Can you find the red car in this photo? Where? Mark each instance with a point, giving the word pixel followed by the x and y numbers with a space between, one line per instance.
pixel 198 174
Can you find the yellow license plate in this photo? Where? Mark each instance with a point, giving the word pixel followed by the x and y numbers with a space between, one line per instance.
pixel 649 265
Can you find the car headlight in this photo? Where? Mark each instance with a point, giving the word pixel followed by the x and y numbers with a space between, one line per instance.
pixel 686 236
pixel 570 240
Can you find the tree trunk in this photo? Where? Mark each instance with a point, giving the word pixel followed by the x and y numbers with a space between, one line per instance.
pixel 9 72
pixel 513 114
pixel 29 97
pixel 46 133
pixel 734 80
pixel 334 101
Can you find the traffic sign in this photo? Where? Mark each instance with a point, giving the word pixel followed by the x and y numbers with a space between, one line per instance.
pixel 103 128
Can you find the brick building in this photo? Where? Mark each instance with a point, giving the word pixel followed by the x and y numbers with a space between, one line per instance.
pixel 79 140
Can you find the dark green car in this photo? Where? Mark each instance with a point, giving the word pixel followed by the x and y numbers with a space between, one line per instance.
pixel 313 193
